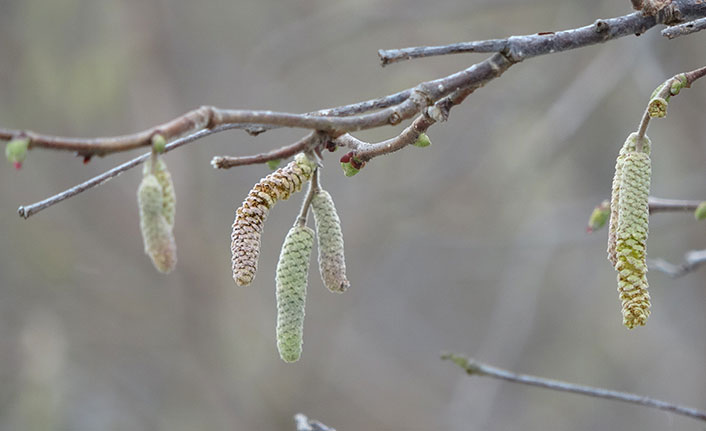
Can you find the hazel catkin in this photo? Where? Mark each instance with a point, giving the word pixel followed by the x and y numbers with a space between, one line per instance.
pixel 291 280
pixel 332 263
pixel 156 232
pixel 250 217
pixel 630 145
pixel 160 171
pixel 631 238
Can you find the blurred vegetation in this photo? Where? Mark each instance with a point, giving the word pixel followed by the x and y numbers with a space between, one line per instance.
pixel 476 244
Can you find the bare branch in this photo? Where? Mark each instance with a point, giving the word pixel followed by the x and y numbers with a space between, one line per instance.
pixel 684 29
pixel 473 367
pixel 394 108
pixel 305 424
pixel 522 47
pixel 692 260
pixel 26 211
pixel 226 162
pixel 659 205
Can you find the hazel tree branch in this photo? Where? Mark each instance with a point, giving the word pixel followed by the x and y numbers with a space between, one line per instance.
pixel 692 260
pixel 685 28
pixel 523 47
pixel 659 205
pixel 472 367
pixel 305 424
pixel 432 100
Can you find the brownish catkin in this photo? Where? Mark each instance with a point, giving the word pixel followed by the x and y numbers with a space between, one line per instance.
pixel 332 262
pixel 250 217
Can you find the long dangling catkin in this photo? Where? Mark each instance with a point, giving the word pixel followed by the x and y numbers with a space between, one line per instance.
pixel 332 263
pixel 160 171
pixel 628 147
pixel 291 280
pixel 156 232
pixel 250 217
pixel 631 242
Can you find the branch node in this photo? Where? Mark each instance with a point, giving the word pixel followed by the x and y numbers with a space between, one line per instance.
pixel 600 26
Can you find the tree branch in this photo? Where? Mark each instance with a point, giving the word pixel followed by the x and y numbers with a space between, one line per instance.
pixel 684 29
pixel 523 47
pixel 305 424
pixel 442 93
pixel 473 367
pixel 659 205
pixel 26 211
pixel 692 260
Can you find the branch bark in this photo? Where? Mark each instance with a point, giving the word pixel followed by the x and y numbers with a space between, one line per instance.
pixel 472 367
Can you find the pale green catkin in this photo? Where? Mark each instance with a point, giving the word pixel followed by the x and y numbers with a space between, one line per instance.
pixel 332 263
pixel 162 174
pixel 629 146
pixel 631 241
pixel 250 217
pixel 156 232
pixel 291 281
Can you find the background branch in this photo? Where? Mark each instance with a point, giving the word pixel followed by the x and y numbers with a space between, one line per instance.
pixel 692 260
pixel 658 205
pixel 305 424
pixel 473 367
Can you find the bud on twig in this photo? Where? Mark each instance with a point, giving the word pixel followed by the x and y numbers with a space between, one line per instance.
pixel 332 263
pixel 250 217
pixel 291 281
pixel 599 217
pixel 16 151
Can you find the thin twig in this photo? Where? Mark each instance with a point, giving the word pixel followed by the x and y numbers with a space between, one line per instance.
pixel 692 260
pixel 473 367
pixel 522 47
pixel 665 91
pixel 305 424
pixel 26 211
pixel 313 188
pixel 226 162
pixel 685 28
pixel 659 205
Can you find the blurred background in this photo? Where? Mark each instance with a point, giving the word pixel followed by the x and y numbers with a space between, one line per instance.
pixel 476 244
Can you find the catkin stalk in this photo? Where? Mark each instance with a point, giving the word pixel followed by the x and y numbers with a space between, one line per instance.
pixel 332 263
pixel 250 217
pixel 156 232
pixel 291 281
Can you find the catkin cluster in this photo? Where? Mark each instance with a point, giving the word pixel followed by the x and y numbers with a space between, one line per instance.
pixel 291 280
pixel 627 246
pixel 155 198
pixel 332 263
pixel 250 217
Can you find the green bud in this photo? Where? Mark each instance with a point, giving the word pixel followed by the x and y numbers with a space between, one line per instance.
pixel 422 141
pixel 158 143
pixel 599 216
pixel 679 83
pixel 657 90
pixel 16 150
pixel 700 212
pixel 273 164
pixel 348 169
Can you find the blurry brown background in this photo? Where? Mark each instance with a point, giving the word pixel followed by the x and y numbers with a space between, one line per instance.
pixel 476 244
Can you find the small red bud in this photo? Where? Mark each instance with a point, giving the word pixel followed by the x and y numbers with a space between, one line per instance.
pixel 17 165
pixel 86 159
pixel 331 146
pixel 347 157
pixel 357 163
